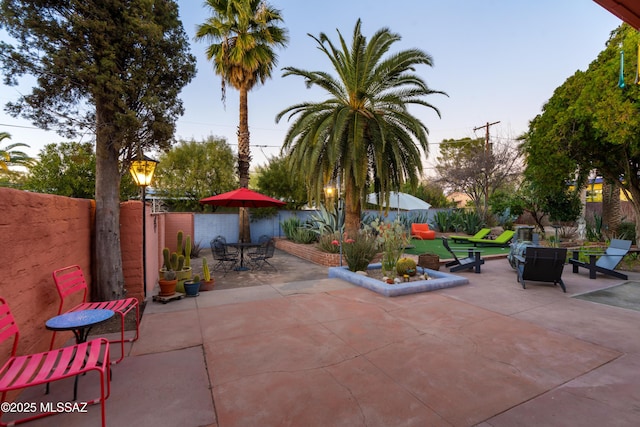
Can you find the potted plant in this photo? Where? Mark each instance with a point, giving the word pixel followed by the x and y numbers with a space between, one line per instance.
pixel 208 282
pixel 168 281
pixel 192 287
pixel 183 271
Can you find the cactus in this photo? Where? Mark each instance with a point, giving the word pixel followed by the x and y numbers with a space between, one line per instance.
pixel 196 279
pixel 205 270
pixel 169 275
pixel 179 246
pixel 174 261
pixel 167 260
pixel 406 266
pixel 187 252
pixel 180 262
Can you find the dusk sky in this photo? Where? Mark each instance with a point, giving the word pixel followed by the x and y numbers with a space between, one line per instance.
pixel 498 60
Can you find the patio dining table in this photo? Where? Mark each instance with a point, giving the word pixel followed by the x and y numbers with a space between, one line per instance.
pixel 242 246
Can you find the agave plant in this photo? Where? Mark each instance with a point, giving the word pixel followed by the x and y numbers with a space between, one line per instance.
pixel 326 221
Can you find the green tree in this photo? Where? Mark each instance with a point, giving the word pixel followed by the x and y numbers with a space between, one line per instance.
pixel 193 170
pixel 243 35
pixel 275 179
pixel 9 156
pixel 110 68
pixel 69 169
pixel 590 123
pixel 363 134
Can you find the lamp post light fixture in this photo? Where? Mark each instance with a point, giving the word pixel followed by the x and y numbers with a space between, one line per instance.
pixel 142 170
pixel 329 192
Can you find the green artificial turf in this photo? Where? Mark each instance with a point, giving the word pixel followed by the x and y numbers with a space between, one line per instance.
pixel 435 246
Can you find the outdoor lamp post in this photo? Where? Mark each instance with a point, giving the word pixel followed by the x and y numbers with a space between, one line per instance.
pixel 142 170
pixel 329 192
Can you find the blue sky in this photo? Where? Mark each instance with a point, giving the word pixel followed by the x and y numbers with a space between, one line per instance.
pixel 498 60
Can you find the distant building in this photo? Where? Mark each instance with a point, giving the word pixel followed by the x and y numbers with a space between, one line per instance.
pixel 460 199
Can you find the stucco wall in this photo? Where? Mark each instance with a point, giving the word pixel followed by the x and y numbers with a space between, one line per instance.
pixel 41 233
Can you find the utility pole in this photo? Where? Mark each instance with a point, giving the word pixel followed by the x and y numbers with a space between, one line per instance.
pixel 484 170
pixel 486 140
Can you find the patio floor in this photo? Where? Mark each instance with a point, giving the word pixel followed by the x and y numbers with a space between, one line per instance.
pixel 295 348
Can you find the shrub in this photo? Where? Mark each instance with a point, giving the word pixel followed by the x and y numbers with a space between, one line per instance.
pixel 329 243
pixel 443 221
pixel 392 239
pixel 470 222
pixel 303 235
pixel 360 251
pixel 627 231
pixel 289 226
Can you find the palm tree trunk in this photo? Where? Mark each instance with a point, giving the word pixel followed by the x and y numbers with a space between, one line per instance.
pixel 353 209
pixel 244 161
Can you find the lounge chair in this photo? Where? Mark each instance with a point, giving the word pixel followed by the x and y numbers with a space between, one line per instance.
pixel 465 239
pixel 502 240
pixel 541 265
pixel 422 232
pixel 606 263
pixel 473 259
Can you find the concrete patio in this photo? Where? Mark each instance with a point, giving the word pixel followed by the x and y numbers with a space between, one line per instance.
pixel 295 348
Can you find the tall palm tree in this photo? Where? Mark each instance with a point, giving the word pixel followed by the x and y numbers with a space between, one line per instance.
pixel 243 35
pixel 11 157
pixel 363 134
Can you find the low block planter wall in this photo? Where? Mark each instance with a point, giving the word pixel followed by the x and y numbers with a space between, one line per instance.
pixel 308 252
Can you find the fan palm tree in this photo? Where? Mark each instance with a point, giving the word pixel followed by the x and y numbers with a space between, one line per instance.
pixel 363 133
pixel 243 35
pixel 11 157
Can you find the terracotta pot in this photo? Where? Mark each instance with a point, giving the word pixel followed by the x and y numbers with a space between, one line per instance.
pixel 207 286
pixel 167 287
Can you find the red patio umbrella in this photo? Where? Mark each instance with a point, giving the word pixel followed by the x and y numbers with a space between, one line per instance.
pixel 243 198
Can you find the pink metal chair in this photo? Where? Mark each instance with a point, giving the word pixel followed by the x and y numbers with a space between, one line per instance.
pixel 29 370
pixel 70 280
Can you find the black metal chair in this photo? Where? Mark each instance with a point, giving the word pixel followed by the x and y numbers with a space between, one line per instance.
pixel 262 243
pixel 263 253
pixel 230 249
pixel 473 259
pixel 541 265
pixel 222 256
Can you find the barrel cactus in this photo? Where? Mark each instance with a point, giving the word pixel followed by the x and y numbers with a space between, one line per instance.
pixel 406 266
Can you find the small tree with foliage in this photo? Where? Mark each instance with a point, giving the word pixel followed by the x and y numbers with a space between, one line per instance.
pixel 69 169
pixel 193 170
pixel 276 180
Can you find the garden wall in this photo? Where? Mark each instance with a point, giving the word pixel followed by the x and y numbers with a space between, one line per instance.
pixel 44 232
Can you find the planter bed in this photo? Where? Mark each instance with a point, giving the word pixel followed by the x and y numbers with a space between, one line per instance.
pixel 438 280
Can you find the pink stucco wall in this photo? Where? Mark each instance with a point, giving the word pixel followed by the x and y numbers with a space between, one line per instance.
pixel 41 233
